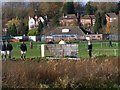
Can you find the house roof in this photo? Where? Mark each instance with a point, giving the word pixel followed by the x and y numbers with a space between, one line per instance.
pixel 85 17
pixel 72 30
pixel 88 17
pixel 69 16
pixel 92 16
pixel 112 15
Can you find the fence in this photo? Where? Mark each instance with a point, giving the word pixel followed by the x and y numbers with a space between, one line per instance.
pixel 99 48
pixel 59 50
pixel 107 52
pixel 73 51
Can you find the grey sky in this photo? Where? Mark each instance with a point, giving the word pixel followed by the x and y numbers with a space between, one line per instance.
pixel 58 0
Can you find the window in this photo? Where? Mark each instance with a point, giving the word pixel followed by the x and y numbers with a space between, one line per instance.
pixel 98 36
pixel 93 36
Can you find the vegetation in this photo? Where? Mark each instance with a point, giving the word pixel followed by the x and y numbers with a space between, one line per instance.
pixel 98 25
pixel 33 33
pixel 89 10
pixel 12 13
pixel 40 28
pixel 75 74
pixel 68 8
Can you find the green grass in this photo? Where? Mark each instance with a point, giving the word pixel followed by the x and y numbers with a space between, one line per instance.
pixel 83 53
pixel 99 48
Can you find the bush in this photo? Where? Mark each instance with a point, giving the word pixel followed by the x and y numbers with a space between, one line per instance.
pixel 33 33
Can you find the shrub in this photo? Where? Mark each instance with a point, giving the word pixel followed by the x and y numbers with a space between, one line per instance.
pixel 33 33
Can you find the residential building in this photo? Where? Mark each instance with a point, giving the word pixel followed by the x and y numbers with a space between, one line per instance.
pixel 112 23
pixel 68 20
pixel 87 20
pixel 111 17
pixel 68 33
pixel 33 22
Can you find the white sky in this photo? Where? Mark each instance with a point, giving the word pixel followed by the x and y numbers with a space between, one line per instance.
pixel 58 0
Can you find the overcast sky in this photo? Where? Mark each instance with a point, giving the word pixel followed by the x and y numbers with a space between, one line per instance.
pixel 58 0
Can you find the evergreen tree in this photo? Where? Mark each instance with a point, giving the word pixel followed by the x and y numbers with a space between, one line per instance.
pixel 88 9
pixel 118 6
pixel 98 25
pixel 103 18
pixel 40 27
pixel 68 8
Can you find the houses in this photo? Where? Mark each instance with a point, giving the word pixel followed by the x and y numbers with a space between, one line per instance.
pixel 69 28
pixel 68 20
pixel 33 22
pixel 112 23
pixel 111 17
pixel 87 20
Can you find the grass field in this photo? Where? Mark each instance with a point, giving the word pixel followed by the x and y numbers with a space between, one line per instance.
pixel 99 48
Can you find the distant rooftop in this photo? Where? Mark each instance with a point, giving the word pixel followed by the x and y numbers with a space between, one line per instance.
pixel 69 16
pixel 72 30
pixel 112 15
pixel 88 17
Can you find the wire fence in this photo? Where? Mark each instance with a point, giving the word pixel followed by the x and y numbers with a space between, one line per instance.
pixel 107 52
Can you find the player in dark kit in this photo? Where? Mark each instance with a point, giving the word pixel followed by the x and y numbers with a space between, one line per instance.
pixel 90 48
pixel 3 50
pixel 23 48
pixel 9 49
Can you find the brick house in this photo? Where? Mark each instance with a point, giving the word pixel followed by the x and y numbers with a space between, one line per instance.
pixel 68 20
pixel 112 23
pixel 88 20
pixel 111 17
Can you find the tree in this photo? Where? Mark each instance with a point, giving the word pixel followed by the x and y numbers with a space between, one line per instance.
pixel 40 28
pixel 13 25
pixel 12 30
pixel 98 25
pixel 78 6
pixel 20 24
pixel 103 18
pixel 68 8
pixel 105 6
pixel 119 5
pixel 50 8
pixel 89 9
pixel 55 20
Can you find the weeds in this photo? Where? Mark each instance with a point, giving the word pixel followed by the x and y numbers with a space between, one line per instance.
pixel 31 73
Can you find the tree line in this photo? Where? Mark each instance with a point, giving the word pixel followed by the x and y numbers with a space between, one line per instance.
pixel 15 14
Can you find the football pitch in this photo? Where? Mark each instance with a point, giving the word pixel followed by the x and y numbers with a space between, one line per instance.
pixel 99 48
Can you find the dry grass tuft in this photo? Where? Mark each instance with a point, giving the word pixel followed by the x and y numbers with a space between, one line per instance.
pixel 60 73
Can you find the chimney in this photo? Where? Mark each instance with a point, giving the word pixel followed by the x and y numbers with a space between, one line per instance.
pixel 29 17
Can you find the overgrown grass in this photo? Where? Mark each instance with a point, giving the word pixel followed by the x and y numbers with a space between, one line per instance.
pixel 100 72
